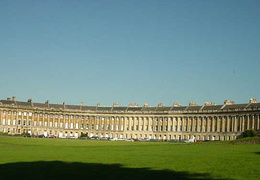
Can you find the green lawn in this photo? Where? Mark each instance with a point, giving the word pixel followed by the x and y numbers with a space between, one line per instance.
pixel 29 158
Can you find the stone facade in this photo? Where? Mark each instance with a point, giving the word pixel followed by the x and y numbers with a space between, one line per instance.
pixel 207 122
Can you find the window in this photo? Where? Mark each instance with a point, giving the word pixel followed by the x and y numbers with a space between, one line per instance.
pixel 24 122
pixel 14 121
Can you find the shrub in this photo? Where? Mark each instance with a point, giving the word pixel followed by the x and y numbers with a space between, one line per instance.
pixel 83 134
pixel 249 133
pixel 3 134
pixel 25 134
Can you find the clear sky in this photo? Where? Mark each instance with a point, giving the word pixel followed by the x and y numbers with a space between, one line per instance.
pixel 130 51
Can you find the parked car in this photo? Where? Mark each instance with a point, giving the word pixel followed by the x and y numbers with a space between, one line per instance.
pixel 94 138
pixel 152 140
pixel 187 140
pixel 143 139
pixel 172 140
pixel 40 136
pixel 130 140
pixel 52 136
pixel 104 139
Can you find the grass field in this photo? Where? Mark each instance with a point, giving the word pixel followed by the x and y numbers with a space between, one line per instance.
pixel 29 158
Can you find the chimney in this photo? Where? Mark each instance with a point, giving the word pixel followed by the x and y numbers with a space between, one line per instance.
pixel 47 103
pixel 207 103
pixel 63 105
pixel 160 105
pixel 191 103
pixel 146 104
pixel 228 102
pixel 30 101
pixel 252 100
pixel 115 105
pixel 176 104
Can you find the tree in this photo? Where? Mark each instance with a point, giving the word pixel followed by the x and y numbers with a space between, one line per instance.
pixel 83 134
pixel 249 133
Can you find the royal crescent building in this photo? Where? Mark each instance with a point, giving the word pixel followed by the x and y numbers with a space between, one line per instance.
pixel 198 122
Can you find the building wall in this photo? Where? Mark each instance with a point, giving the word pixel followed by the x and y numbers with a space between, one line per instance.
pixel 163 126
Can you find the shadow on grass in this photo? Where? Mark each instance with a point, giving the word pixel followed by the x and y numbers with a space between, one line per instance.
pixel 72 171
pixel 257 153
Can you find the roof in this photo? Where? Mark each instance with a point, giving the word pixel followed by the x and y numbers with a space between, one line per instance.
pixel 235 106
pixel 253 105
pixel 149 108
pixel 119 108
pixel 104 108
pixel 163 108
pixel 212 107
pixel 134 109
pixel 89 108
pixel 193 108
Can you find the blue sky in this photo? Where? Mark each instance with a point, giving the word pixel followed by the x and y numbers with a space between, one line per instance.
pixel 130 51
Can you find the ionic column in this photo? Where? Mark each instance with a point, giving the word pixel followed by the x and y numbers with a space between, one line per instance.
pixel 253 122
pixel 197 124
pixel 228 123
pixel 257 122
pixel 243 123
pixel 163 124
pixel 240 124
pixel 218 124
pixel 182 129
pixel 235 124
pixel 213 122
pixel 232 123
pixel 248 122
pixel 223 122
